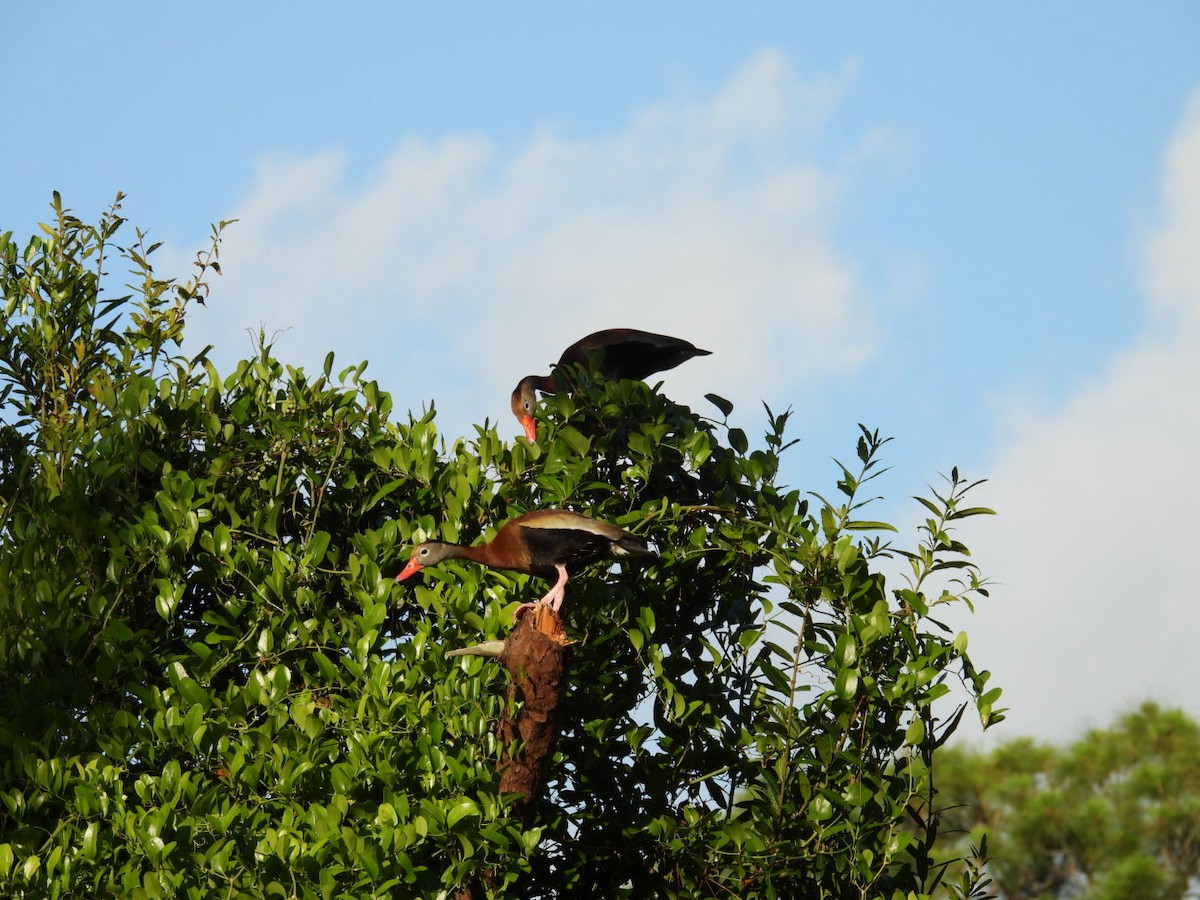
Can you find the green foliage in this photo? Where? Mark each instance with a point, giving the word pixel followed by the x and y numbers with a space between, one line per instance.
pixel 212 687
pixel 1113 815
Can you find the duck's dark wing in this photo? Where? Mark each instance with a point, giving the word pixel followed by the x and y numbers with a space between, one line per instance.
pixel 629 353
pixel 570 547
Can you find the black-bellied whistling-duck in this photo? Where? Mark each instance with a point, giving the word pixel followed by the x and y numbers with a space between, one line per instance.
pixel 615 353
pixel 545 542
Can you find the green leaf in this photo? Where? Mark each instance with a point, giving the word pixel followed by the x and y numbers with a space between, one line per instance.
pixel 846 651
pixel 386 490
pixel 720 403
pixel 915 733
pixel 636 639
pixel 460 809
pixel 820 810
pixel 972 511
pixel 222 540
pixel 866 525
pixel 846 684
pixel 317 546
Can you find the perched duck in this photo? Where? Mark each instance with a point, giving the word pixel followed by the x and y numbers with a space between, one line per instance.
pixel 545 542
pixel 615 353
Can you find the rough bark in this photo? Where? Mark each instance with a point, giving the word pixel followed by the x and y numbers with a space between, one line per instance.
pixel 536 655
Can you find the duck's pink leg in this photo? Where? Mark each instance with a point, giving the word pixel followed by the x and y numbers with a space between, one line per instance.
pixel 554 596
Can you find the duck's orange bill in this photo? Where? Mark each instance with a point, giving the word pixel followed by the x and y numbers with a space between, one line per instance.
pixel 411 569
pixel 530 426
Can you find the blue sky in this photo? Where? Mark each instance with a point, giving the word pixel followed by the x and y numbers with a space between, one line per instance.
pixel 971 230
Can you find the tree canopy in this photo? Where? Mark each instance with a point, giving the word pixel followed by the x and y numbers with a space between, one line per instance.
pixel 211 686
pixel 1115 815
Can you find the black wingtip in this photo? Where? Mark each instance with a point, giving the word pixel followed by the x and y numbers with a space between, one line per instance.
pixel 629 546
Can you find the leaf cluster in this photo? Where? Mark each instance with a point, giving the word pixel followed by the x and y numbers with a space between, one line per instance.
pixel 211 686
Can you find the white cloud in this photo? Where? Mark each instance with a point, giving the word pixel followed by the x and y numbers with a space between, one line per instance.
pixel 1173 277
pixel 1098 607
pixel 457 268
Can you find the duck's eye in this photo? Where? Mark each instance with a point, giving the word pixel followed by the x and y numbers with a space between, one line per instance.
pixel 424 551
pixel 528 407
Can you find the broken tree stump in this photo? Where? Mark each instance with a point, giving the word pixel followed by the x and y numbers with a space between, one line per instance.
pixel 536 656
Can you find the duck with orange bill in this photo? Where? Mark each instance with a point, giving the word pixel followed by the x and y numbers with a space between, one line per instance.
pixel 614 353
pixel 550 543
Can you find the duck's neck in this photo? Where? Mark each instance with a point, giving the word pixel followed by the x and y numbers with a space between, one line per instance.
pixel 483 554
pixel 543 383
